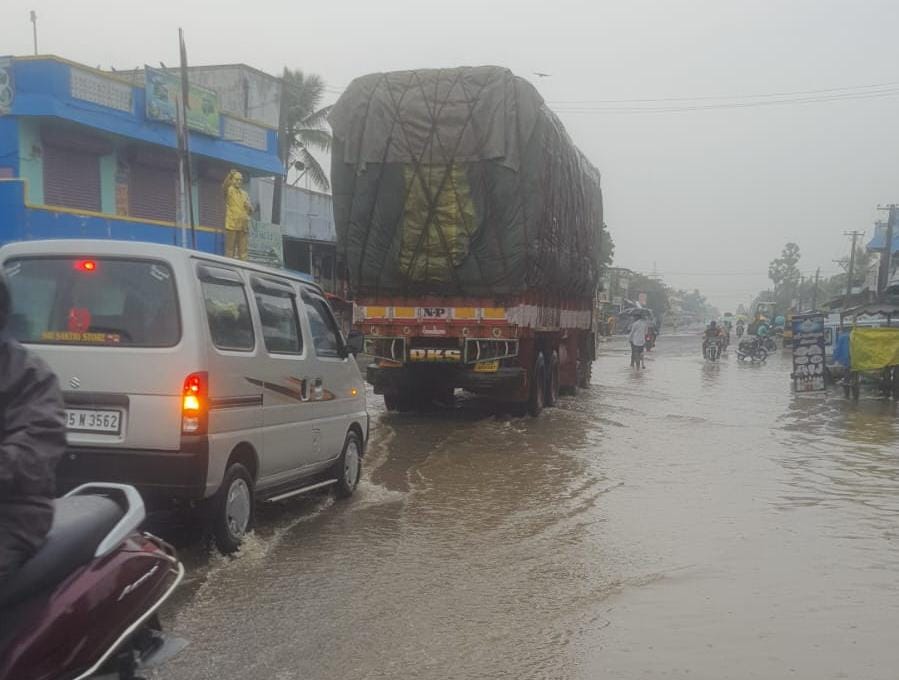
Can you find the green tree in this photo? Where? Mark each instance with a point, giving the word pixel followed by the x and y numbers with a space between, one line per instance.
pixel 656 293
pixel 606 248
pixel 307 128
pixel 784 274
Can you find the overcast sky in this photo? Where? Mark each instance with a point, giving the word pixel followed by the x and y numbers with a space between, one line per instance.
pixel 707 195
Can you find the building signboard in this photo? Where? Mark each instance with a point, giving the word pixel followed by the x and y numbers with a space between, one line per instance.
pixel 808 352
pixel 7 85
pixel 164 88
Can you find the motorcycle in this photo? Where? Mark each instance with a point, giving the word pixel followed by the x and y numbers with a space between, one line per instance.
pixel 712 348
pixel 769 343
pixel 753 348
pixel 85 605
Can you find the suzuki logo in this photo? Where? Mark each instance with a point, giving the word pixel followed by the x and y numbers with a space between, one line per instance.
pixel 450 355
pixel 74 383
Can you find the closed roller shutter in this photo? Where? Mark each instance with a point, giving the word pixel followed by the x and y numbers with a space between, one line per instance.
pixel 71 178
pixel 152 192
pixel 212 203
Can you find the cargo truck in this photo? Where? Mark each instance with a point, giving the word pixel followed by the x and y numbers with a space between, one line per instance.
pixel 471 227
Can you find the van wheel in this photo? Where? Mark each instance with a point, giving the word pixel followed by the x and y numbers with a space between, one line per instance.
pixel 552 380
pixel 233 509
pixel 349 467
pixel 536 400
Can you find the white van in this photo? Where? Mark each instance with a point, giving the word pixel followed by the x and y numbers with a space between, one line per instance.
pixel 193 377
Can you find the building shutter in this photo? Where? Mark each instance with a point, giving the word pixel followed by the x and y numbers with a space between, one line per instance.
pixel 212 203
pixel 71 178
pixel 152 192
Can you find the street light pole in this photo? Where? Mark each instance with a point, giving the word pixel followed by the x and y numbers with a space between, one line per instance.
pixel 34 29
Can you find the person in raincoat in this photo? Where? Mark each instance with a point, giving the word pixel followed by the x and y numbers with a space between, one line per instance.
pixel 32 440
pixel 237 216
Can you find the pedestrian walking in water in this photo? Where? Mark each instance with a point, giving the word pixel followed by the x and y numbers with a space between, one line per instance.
pixel 637 339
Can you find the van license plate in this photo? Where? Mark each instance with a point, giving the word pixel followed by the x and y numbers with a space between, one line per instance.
pixel 93 420
pixel 487 367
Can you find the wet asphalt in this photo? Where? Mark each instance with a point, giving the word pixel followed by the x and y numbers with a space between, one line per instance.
pixel 692 520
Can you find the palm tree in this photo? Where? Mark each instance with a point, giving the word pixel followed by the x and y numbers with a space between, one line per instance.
pixel 306 125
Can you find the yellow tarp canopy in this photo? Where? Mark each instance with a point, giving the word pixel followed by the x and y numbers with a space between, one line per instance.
pixel 871 349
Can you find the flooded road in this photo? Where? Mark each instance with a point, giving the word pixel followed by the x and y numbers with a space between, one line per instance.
pixel 690 521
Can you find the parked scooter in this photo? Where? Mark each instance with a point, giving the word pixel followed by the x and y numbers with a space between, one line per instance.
pixel 85 606
pixel 752 347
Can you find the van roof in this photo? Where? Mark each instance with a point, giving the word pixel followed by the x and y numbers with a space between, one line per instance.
pixel 109 247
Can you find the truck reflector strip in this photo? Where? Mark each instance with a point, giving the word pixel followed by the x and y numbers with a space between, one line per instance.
pixel 430 314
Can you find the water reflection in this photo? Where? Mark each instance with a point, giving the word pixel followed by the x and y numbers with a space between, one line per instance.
pixel 842 453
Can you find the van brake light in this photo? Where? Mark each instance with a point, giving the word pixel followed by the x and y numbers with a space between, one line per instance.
pixel 194 406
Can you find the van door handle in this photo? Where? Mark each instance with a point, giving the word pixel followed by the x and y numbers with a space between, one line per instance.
pixel 318 389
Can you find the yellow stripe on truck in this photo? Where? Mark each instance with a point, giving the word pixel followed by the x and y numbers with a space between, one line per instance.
pixel 375 312
pixel 493 313
pixel 465 313
pixel 405 313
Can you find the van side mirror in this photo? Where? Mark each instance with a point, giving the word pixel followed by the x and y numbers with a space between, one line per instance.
pixel 355 342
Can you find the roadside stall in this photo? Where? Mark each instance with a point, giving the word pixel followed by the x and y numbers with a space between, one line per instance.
pixel 873 345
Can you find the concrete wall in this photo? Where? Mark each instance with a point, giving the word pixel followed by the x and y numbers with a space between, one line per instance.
pixel 307 215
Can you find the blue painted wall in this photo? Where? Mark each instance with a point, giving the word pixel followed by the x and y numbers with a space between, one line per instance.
pixel 19 222
pixel 43 89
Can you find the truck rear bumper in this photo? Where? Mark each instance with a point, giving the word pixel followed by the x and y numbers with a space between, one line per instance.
pixel 503 383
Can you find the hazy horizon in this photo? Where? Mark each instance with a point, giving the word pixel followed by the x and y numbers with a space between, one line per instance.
pixel 705 191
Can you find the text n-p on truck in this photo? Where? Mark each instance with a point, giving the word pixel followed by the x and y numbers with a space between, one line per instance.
pixel 471 227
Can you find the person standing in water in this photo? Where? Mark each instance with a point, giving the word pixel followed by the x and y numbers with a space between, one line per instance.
pixel 637 339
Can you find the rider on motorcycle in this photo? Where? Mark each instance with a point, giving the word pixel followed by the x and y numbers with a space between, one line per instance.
pixel 712 332
pixel 32 440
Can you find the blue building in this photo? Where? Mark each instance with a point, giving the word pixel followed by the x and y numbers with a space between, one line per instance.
pixel 93 154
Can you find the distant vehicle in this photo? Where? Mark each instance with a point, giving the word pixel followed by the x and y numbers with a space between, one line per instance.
pixel 85 605
pixel 473 251
pixel 752 347
pixel 196 378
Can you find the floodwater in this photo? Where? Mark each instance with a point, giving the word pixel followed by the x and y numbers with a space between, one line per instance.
pixel 693 520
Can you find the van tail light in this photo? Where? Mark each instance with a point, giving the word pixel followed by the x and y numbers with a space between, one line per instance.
pixel 195 403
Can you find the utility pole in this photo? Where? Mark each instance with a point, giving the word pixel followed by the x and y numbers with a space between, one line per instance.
pixel 283 151
pixel 34 29
pixel 815 290
pixel 185 149
pixel 886 258
pixel 799 295
pixel 854 235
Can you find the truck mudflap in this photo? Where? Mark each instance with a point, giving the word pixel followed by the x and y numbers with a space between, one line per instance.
pixel 506 383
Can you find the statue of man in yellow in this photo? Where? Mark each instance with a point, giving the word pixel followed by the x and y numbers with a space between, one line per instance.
pixel 237 216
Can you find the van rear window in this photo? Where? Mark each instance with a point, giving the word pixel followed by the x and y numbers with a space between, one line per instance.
pixel 93 301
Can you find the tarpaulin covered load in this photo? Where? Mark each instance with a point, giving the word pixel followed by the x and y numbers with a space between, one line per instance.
pixel 461 182
pixel 871 349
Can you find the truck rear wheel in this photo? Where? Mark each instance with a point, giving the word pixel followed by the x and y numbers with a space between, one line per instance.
pixel 552 380
pixel 536 399
pixel 584 373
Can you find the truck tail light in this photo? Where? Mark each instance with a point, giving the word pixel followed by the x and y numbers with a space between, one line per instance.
pixel 195 403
